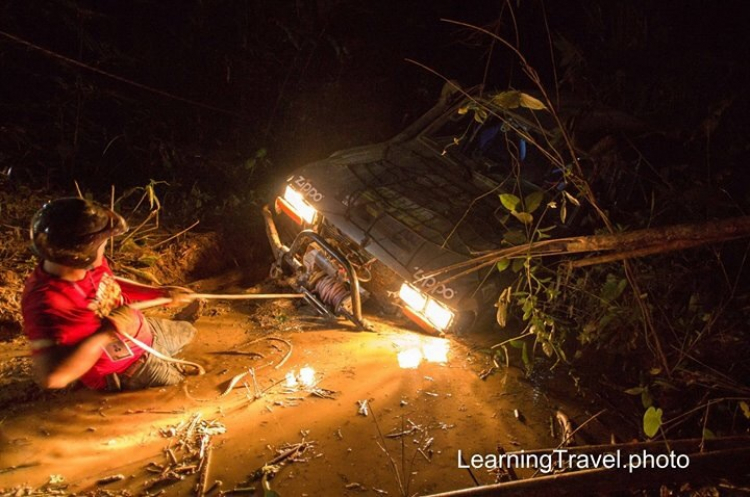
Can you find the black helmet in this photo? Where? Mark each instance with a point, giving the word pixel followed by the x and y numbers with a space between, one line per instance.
pixel 69 231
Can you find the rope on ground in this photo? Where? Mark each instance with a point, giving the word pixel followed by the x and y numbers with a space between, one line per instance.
pixel 237 378
pixel 163 357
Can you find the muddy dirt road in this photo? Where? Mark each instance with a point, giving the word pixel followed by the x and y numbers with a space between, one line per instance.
pixel 408 443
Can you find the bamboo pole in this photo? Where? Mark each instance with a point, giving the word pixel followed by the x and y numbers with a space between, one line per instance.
pixel 636 243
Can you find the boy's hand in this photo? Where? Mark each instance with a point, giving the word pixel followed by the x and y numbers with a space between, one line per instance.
pixel 179 295
pixel 125 319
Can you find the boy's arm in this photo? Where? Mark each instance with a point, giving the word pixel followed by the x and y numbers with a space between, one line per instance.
pixel 137 292
pixel 52 371
pixel 55 372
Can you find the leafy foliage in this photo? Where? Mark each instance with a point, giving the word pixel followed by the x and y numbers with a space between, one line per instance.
pixel 652 421
pixel 616 310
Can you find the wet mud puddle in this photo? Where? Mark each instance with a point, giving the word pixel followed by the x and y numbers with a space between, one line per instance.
pixel 329 407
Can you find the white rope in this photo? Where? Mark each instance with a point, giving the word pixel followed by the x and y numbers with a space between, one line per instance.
pixel 192 296
pixel 145 304
pixel 161 356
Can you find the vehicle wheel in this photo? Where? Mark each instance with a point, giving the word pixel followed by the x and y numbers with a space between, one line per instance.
pixel 465 322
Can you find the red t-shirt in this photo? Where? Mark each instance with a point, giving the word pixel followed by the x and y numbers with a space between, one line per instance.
pixel 60 312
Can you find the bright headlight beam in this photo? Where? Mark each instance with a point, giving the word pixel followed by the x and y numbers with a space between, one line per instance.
pixel 412 297
pixel 291 380
pixel 410 358
pixel 307 376
pixel 431 312
pixel 438 315
pixel 299 204
pixel 436 350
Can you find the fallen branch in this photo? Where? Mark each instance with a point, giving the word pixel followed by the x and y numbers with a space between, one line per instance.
pixel 636 243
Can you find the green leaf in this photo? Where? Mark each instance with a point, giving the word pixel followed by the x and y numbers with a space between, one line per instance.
pixel 572 199
pixel 530 102
pixel 708 434
pixel 503 264
pixel 533 200
pixel 480 116
pixel 516 344
pixel 612 288
pixel 501 316
pixel 745 409
pixel 514 237
pixel 507 99
pixel 634 391
pixel 606 319
pixel 517 265
pixel 148 260
pixel 509 201
pixel 525 355
pixel 652 421
pixel 514 99
pixel 547 348
pixel 524 217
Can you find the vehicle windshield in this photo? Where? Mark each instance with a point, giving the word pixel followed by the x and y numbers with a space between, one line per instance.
pixel 495 147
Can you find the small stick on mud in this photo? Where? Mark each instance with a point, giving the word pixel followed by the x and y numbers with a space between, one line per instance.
pixel 200 488
pixel 573 433
pixel 509 469
pixel 172 457
pixel 471 473
pixel 19 466
pixel 426 457
pixel 214 486
pixel 233 383
pixel 238 490
pixel 110 479
pixel 567 428
pixel 288 354
pixel 256 390
pixel 292 451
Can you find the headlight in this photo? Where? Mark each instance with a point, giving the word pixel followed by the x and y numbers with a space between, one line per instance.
pixel 296 207
pixel 412 297
pixel 438 315
pixel 425 310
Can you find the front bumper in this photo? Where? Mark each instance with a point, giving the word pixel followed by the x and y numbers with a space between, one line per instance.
pixel 288 256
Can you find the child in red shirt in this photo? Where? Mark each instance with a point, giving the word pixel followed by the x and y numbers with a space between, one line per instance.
pixel 75 310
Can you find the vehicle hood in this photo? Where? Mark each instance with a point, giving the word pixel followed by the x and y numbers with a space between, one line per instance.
pixel 406 205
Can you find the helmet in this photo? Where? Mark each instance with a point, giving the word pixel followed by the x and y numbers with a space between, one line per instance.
pixel 69 231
